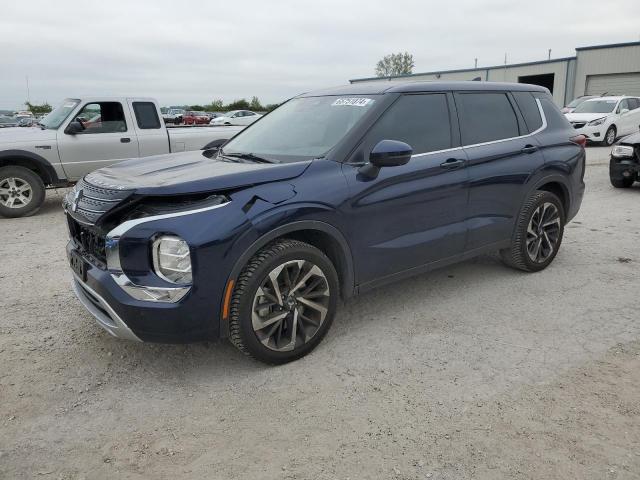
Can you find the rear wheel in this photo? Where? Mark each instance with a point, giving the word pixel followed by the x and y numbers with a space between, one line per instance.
pixel 538 233
pixel 284 302
pixel 21 192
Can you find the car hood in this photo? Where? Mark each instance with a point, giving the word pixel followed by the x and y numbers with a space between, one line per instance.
pixel 189 172
pixel 33 134
pixel 633 139
pixel 585 117
pixel 221 119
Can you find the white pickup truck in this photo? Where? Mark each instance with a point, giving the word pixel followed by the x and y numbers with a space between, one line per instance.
pixel 82 135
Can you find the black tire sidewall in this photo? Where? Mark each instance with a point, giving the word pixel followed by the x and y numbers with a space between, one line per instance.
pixel 249 338
pixel 543 197
pixel 37 187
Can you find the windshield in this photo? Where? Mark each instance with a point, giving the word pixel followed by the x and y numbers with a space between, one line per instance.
pixel 59 114
pixel 301 129
pixel 577 102
pixel 596 106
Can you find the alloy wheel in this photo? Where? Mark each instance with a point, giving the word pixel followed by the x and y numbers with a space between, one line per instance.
pixel 291 305
pixel 543 232
pixel 15 192
pixel 611 136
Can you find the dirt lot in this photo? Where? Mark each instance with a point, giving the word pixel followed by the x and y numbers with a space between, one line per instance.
pixel 474 371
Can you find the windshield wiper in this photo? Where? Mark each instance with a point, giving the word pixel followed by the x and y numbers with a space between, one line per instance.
pixel 249 156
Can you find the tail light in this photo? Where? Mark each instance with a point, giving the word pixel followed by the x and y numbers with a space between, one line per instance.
pixel 579 140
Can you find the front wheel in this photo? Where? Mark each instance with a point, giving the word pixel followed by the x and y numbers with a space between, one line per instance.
pixel 284 302
pixel 610 136
pixel 21 192
pixel 538 233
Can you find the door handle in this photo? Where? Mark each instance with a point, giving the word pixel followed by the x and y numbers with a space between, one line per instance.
pixel 125 140
pixel 529 149
pixel 452 163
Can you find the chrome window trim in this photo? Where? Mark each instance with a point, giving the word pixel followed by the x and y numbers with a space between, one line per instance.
pixel 535 132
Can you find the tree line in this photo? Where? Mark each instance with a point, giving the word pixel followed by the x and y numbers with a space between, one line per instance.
pixel 241 104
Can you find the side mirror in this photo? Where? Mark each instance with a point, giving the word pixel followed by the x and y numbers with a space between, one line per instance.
pixel 623 111
pixel 74 127
pixel 211 148
pixel 386 153
pixel 390 153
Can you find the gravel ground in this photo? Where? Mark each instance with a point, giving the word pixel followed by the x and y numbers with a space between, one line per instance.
pixel 473 371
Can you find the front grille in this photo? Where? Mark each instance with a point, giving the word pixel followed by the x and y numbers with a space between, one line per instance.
pixel 90 202
pixel 578 124
pixel 90 242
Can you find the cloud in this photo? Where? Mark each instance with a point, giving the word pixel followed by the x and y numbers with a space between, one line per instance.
pixel 196 51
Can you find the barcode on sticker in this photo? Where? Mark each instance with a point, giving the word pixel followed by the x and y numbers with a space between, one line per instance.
pixel 354 102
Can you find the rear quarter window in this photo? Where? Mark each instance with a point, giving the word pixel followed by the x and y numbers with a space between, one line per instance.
pixel 553 115
pixel 486 117
pixel 529 109
pixel 146 115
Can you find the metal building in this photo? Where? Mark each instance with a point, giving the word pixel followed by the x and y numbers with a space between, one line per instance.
pixel 594 70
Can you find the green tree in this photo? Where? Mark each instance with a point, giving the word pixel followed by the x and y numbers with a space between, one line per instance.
pixel 241 104
pixel 216 105
pixel 271 106
pixel 38 109
pixel 255 104
pixel 197 108
pixel 395 64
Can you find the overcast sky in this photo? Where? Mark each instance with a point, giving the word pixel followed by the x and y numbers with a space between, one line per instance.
pixel 186 52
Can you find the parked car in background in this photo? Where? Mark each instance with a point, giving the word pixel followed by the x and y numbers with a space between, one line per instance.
pixel 27 122
pixel 81 135
pixel 236 117
pixel 575 102
pixel 332 194
pixel 604 119
pixel 195 118
pixel 213 115
pixel 6 122
pixel 173 115
pixel 624 165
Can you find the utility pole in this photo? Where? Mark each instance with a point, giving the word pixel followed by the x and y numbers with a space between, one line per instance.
pixel 476 63
pixel 28 95
pixel 549 54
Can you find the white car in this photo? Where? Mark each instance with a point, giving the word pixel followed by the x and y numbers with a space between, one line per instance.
pixel 604 119
pixel 236 117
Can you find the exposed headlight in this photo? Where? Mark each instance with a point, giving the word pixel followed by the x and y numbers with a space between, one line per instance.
pixel 171 259
pixel 622 151
pixel 597 121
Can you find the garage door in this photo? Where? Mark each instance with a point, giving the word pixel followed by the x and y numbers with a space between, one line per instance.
pixel 614 84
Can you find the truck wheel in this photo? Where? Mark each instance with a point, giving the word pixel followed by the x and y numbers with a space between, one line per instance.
pixel 21 192
pixel 610 136
pixel 284 302
pixel 538 233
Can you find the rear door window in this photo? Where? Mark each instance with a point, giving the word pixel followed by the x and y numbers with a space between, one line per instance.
pixel 146 115
pixel 422 121
pixel 486 117
pixel 529 109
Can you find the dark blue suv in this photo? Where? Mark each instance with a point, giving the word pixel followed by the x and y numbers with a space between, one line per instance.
pixel 332 194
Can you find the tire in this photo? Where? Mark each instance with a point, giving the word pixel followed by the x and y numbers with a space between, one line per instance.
pixel 537 211
pixel 262 328
pixel 21 192
pixel 610 136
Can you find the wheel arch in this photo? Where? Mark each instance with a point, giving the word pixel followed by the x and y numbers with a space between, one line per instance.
pixel 321 235
pixel 558 186
pixel 32 161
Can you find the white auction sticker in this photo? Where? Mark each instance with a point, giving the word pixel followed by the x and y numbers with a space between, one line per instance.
pixel 354 102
